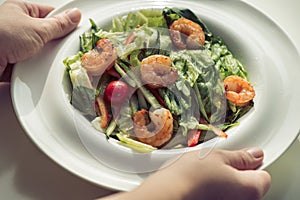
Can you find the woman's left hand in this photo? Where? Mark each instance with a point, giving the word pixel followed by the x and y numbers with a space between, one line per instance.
pixel 24 31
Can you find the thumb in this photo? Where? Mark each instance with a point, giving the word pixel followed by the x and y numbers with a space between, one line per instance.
pixel 60 25
pixel 245 159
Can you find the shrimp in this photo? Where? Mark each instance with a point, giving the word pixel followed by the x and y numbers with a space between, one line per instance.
pixel 158 131
pixel 187 34
pixel 102 57
pixel 238 90
pixel 157 71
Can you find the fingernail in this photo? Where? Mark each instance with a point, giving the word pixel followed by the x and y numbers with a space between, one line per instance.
pixel 74 14
pixel 255 152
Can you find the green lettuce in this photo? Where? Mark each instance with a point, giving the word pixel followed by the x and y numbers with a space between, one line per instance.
pixel 83 93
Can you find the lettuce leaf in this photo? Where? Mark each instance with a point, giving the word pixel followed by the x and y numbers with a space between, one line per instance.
pixel 83 93
pixel 89 38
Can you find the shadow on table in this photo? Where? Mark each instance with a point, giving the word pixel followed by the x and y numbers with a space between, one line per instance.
pixel 33 174
pixel 285 174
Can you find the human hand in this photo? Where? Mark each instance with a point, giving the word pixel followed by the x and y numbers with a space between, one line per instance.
pixel 24 30
pixel 219 175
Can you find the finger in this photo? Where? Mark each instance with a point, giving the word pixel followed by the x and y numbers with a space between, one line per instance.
pixel 32 9
pixel 38 10
pixel 3 65
pixel 44 10
pixel 5 73
pixel 1 72
pixel 59 25
pixel 245 159
pixel 256 181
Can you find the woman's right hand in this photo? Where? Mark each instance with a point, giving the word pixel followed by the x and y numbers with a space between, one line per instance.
pixel 218 174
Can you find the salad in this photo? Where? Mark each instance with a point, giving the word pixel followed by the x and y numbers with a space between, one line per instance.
pixel 158 79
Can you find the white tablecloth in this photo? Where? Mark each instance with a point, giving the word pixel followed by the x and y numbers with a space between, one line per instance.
pixel 28 174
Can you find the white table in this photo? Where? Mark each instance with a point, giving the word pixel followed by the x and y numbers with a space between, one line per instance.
pixel 28 174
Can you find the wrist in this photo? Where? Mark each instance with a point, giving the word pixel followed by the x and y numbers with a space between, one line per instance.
pixel 159 186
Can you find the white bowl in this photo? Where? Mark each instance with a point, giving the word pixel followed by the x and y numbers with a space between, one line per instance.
pixel 40 94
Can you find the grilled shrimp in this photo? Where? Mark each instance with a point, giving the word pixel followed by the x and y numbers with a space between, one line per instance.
pixel 157 71
pixel 158 131
pixel 102 57
pixel 238 90
pixel 187 34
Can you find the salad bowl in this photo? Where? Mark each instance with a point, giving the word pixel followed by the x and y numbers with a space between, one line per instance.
pixel 42 99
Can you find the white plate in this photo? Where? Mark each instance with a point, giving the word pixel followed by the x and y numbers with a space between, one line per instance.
pixel 270 57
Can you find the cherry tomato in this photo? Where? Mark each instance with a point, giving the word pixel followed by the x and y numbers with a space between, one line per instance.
pixel 116 92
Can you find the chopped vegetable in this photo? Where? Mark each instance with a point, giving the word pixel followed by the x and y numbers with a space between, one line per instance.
pixel 193 137
pixel 138 146
pixel 116 92
pixel 83 93
pixel 124 105
pixel 103 112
